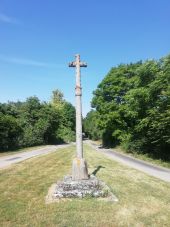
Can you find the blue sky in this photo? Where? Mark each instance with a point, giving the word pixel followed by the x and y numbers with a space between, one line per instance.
pixel 38 38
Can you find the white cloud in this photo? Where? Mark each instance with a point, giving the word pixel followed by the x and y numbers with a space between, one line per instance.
pixel 28 62
pixel 6 19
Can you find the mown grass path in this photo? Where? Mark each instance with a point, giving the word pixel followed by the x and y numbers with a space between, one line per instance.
pixel 143 200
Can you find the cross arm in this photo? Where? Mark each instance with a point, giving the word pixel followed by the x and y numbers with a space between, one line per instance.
pixel 83 64
pixel 72 64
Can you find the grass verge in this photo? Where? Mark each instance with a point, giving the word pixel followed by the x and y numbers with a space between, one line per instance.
pixel 143 200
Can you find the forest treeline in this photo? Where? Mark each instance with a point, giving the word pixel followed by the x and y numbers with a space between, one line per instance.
pixel 30 123
pixel 131 108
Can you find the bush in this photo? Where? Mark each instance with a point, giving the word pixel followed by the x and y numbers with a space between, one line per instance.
pixel 10 132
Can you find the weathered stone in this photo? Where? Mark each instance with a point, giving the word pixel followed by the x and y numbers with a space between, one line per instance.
pixel 68 188
pixel 79 169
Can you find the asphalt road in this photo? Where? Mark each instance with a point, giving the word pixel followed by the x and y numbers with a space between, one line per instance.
pixel 6 161
pixel 153 170
pixel 150 169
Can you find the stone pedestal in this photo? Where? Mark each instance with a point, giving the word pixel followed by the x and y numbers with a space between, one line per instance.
pixel 70 189
pixel 79 169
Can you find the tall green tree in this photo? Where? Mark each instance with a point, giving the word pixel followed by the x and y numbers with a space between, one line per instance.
pixel 91 126
pixel 34 122
pixel 133 106
pixel 10 132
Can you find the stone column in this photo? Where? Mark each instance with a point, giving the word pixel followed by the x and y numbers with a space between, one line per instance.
pixel 78 90
pixel 79 166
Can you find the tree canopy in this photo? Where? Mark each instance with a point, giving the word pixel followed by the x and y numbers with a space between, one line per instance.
pixel 34 122
pixel 132 107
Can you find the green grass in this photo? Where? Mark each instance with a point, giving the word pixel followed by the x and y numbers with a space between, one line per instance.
pixel 143 200
pixel 5 153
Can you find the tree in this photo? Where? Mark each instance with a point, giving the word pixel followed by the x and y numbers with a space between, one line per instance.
pixel 66 129
pixel 91 126
pixel 133 103
pixel 10 131
pixel 34 122
pixel 57 99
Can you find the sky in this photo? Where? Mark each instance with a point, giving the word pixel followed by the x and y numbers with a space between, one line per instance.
pixel 39 38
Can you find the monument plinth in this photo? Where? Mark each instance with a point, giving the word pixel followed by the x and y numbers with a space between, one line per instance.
pixel 79 165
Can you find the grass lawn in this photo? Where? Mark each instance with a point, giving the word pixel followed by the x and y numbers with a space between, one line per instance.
pixel 143 200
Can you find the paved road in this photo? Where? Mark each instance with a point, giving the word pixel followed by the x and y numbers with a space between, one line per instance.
pixel 153 170
pixel 6 161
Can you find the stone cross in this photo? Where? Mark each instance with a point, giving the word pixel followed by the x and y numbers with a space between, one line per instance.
pixel 79 167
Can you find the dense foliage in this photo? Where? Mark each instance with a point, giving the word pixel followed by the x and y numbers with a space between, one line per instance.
pixel 133 108
pixel 33 122
pixel 91 126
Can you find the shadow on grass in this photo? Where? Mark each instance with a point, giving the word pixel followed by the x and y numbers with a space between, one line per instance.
pixel 97 170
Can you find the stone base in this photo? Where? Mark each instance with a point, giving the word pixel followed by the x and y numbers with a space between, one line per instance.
pixel 79 169
pixel 69 189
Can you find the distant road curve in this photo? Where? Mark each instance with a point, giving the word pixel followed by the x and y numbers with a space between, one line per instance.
pixel 153 170
pixel 8 160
